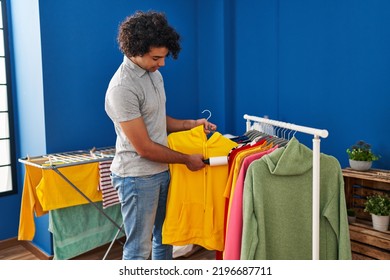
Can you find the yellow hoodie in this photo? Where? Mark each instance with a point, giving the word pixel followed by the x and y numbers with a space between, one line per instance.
pixel 195 206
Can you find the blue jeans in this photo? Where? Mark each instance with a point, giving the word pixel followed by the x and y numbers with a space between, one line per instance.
pixel 143 204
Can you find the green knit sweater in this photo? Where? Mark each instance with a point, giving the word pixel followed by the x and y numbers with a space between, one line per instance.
pixel 278 207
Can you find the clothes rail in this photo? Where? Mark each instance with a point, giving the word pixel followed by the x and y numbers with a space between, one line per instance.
pixel 317 133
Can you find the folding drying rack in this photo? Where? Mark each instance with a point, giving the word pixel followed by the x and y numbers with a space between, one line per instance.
pixel 56 161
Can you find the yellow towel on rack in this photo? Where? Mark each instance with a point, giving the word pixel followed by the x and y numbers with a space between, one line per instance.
pixel 30 203
pixel 54 192
pixel 45 190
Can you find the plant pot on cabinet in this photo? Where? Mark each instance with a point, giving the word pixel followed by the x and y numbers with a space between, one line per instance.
pixel 380 222
pixel 360 165
pixel 351 219
pixel 351 214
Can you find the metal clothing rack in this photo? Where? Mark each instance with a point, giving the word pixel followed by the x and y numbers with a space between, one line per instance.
pixel 317 133
pixel 56 161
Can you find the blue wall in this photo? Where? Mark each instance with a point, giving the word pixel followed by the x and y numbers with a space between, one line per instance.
pixel 80 55
pixel 334 62
pixel 256 61
pixel 323 64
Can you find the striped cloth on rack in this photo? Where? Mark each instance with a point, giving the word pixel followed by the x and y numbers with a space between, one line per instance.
pixel 109 194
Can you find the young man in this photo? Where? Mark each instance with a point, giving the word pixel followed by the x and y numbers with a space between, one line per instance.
pixel 135 102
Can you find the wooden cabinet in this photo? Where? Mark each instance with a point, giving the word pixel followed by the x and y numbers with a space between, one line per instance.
pixel 366 242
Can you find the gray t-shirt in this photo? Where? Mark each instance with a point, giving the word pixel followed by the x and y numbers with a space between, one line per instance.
pixel 132 93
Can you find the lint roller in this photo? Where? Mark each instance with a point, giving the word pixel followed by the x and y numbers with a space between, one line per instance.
pixel 216 161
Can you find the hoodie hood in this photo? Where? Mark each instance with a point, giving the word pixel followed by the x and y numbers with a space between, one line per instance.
pixel 290 160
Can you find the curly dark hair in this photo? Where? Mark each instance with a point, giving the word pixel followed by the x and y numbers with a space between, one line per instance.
pixel 143 30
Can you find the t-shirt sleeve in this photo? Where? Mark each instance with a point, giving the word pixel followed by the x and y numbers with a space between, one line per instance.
pixel 123 104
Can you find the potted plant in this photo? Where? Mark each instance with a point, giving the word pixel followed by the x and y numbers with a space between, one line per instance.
pixel 360 156
pixel 378 206
pixel 351 215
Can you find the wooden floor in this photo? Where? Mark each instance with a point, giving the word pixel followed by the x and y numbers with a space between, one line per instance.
pixel 22 250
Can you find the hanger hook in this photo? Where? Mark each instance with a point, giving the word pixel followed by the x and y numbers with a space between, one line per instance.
pixel 208 112
pixel 288 137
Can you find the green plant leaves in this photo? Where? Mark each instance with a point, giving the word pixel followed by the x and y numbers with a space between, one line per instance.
pixel 378 204
pixel 361 151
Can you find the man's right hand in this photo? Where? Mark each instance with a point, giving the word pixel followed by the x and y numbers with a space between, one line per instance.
pixel 195 162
